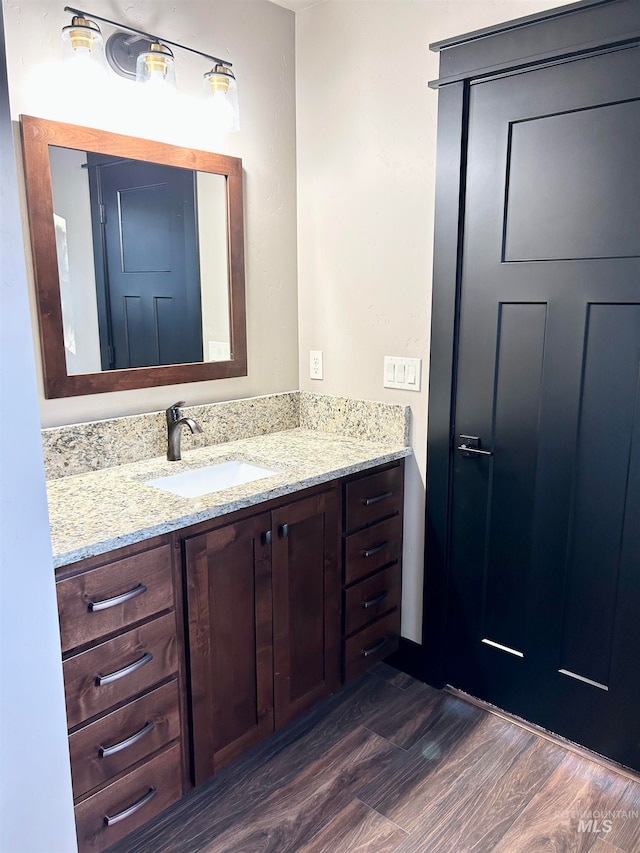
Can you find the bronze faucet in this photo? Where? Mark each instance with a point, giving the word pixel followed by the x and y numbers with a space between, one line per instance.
pixel 175 422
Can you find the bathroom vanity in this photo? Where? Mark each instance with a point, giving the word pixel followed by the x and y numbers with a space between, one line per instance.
pixel 218 618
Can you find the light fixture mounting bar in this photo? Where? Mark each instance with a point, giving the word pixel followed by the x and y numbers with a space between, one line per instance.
pixel 149 36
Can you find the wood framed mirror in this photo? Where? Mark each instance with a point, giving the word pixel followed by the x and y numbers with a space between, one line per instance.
pixel 138 255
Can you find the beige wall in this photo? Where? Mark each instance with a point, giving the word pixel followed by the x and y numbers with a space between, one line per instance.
pixel 258 37
pixel 366 135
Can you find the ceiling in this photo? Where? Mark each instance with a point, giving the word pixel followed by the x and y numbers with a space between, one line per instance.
pixel 297 5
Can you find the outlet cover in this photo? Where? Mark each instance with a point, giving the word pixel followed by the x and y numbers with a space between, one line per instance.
pixel 315 364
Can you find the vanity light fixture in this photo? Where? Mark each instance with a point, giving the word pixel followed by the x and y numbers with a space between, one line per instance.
pixel 155 67
pixel 148 59
pixel 82 40
pixel 223 96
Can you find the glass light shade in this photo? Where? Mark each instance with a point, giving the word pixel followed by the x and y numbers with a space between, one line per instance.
pixel 155 68
pixel 223 98
pixel 82 42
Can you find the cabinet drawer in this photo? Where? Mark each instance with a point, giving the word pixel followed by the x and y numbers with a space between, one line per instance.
pixel 372 548
pixel 126 804
pixel 372 498
pixel 371 644
pixel 113 671
pixel 104 600
pixel 369 599
pixel 113 743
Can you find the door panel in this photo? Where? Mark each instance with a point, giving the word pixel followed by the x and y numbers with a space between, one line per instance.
pixel 547 164
pixel 306 604
pixel 144 221
pixel 609 402
pixel 230 642
pixel 542 550
pixel 517 392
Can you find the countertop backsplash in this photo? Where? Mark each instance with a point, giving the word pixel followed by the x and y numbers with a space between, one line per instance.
pixel 80 448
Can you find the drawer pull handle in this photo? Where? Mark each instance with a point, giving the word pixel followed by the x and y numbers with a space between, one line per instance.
pixel 371 551
pixel 371 602
pixel 131 810
pixel 377 499
pixel 265 538
pixel 106 751
pixel 94 606
pixel 127 670
pixel 283 531
pixel 371 650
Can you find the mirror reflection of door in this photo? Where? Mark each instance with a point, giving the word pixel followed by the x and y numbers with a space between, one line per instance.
pixel 81 251
pixel 146 263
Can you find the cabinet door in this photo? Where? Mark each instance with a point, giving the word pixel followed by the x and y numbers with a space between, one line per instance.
pixel 306 603
pixel 230 646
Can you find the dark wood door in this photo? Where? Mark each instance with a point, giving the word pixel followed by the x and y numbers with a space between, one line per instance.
pixel 306 603
pixel 545 553
pixel 147 263
pixel 229 605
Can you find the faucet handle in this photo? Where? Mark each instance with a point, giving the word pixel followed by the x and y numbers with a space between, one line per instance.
pixel 173 412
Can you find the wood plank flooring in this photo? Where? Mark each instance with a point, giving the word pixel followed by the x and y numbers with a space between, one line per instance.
pixel 389 765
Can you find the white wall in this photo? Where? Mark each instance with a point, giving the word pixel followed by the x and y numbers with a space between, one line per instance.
pixel 258 37
pixel 212 242
pixel 71 202
pixel 36 805
pixel 366 137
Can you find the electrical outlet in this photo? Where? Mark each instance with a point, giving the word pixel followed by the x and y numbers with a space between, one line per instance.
pixel 315 364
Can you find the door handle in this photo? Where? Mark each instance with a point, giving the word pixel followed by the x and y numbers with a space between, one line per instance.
pixel 471 446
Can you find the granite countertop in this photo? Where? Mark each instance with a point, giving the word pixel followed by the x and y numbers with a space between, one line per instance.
pixel 102 510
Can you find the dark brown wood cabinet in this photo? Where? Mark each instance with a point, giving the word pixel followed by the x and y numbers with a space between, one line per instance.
pixel 263 621
pixel 372 573
pixel 228 582
pixel 306 603
pixel 250 606
pixel 120 620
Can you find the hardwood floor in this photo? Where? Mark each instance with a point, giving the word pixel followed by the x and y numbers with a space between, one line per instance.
pixel 389 765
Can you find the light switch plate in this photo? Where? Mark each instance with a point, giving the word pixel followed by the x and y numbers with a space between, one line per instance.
pixel 405 373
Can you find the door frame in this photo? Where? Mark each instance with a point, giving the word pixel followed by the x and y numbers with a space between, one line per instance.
pixel 568 32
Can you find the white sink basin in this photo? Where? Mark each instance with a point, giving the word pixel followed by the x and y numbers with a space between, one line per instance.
pixel 212 478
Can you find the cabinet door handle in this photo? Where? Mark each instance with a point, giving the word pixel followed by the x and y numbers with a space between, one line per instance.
pixel 372 649
pixel 130 810
pixel 283 531
pixel 106 603
pixel 377 499
pixel 127 670
pixel 106 751
pixel 371 602
pixel 266 537
pixel 371 551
